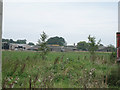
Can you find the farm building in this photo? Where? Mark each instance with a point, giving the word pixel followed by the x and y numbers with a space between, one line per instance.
pixel 5 45
pixel 102 48
pixel 51 48
pixel 34 48
pixel 62 48
pixel 55 48
pixel 70 48
pixel 18 46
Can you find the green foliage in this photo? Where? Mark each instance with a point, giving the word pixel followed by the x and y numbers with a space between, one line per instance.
pixel 30 43
pixel 114 77
pixel 82 46
pixel 56 40
pixel 6 40
pixel 93 46
pixel 43 45
pixel 111 48
pixel 12 41
pixel 21 41
pixel 113 56
pixel 67 72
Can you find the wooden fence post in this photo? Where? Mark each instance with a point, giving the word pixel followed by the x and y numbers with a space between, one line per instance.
pixel 1 12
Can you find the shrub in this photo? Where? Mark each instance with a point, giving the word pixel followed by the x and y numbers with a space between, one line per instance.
pixel 114 77
pixel 43 45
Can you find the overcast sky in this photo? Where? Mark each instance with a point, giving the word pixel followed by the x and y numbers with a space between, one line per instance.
pixel 72 20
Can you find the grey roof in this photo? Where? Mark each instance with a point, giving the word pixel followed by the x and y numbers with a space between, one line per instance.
pixel 102 47
pixel 34 47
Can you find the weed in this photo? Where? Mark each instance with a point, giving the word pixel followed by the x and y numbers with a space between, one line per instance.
pixel 73 69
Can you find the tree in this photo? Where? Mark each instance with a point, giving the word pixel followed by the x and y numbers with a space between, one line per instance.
pixel 30 43
pixel 6 40
pixel 43 45
pixel 21 41
pixel 93 46
pixel 111 48
pixel 101 45
pixel 56 40
pixel 11 41
pixel 82 45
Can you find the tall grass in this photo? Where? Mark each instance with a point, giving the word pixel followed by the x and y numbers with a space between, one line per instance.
pixel 60 70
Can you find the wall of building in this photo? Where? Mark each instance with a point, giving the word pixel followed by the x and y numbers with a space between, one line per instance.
pixel 18 46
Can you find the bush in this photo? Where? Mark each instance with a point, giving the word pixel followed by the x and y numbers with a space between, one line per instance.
pixel 113 56
pixel 114 77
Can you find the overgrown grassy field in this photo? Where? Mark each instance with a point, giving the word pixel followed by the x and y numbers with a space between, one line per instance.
pixel 61 70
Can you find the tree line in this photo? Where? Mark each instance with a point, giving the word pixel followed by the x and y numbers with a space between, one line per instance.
pixel 51 41
pixel 92 45
pixel 24 41
pixel 82 45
